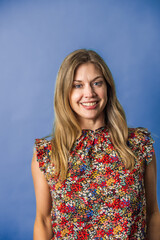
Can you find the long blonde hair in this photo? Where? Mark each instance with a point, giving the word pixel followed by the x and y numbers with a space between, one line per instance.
pixel 66 128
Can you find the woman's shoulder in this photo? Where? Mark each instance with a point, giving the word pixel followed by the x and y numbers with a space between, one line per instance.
pixel 43 143
pixel 140 134
pixel 140 139
pixel 43 148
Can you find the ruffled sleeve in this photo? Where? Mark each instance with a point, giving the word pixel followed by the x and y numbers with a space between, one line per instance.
pixel 43 149
pixel 142 138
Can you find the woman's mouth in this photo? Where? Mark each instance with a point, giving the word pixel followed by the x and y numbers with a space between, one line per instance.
pixel 88 104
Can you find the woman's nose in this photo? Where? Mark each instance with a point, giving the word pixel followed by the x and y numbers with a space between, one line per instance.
pixel 89 91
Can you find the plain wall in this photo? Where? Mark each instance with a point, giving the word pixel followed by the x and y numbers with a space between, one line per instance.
pixel 35 36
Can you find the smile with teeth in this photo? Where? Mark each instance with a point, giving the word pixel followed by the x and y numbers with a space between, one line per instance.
pixel 89 103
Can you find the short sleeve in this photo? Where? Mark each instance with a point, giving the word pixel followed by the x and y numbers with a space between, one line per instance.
pixel 43 149
pixel 145 143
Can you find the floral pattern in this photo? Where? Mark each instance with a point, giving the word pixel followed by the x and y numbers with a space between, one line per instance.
pixel 99 199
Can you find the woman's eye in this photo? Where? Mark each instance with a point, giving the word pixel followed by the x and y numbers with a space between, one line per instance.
pixel 77 85
pixel 99 83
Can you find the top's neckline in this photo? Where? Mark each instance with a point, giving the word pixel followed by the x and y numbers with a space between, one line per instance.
pixel 92 133
pixel 98 130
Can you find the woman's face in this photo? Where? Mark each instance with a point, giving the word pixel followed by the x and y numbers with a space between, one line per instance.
pixel 88 96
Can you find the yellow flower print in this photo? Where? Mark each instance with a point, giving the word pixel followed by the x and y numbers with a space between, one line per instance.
pixel 117 229
pixel 110 181
pixel 64 232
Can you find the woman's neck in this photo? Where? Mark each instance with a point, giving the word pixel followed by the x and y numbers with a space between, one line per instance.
pixel 89 124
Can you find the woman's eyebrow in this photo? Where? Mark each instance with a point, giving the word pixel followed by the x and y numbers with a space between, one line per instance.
pixel 91 80
pixel 77 80
pixel 97 78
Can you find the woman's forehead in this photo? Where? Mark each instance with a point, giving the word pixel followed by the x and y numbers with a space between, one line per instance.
pixel 89 70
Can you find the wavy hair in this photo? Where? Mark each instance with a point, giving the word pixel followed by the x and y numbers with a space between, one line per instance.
pixel 66 128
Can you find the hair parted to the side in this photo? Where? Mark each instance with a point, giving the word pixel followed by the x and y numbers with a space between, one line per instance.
pixel 66 128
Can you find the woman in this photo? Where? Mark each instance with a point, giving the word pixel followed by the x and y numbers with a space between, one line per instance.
pixel 99 176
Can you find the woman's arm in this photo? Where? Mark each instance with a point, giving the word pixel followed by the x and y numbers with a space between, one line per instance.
pixel 42 226
pixel 153 215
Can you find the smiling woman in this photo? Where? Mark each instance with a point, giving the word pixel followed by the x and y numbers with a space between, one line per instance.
pixel 88 96
pixel 99 176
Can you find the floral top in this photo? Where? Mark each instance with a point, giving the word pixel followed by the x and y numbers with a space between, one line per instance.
pixel 100 199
